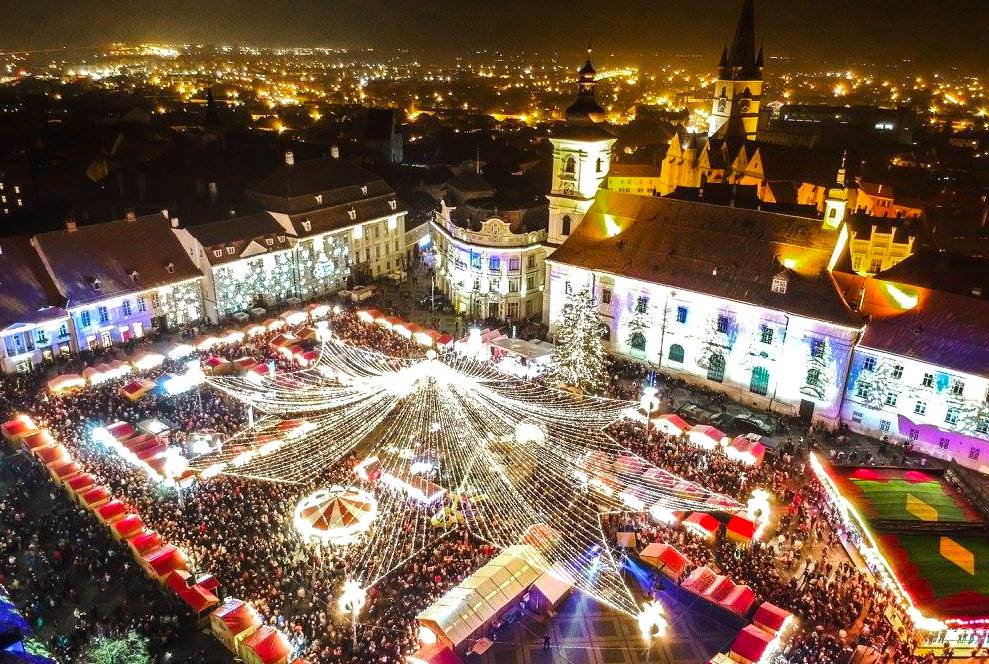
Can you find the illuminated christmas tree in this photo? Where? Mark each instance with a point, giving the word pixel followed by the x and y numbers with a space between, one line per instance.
pixel 578 357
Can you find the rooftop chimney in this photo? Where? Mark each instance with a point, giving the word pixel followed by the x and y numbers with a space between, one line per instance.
pixel 70 225
pixel 175 222
pixel 290 158
pixel 131 215
pixel 335 151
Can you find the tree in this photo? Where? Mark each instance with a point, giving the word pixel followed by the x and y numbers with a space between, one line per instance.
pixel 131 648
pixel 578 356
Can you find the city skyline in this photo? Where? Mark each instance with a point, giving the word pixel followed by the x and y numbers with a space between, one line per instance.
pixel 839 32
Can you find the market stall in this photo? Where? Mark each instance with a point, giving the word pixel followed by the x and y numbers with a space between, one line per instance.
pixel 665 558
pixel 265 646
pixel 703 524
pixel 752 645
pixel 196 597
pixel 162 561
pixel 19 427
pixel 66 383
pixel 232 622
pixel 127 527
pixel 670 424
pixel 706 436
pixel 143 542
pixel 95 498
pixel 550 590
pixel 137 389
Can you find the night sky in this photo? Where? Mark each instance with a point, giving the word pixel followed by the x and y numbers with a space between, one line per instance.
pixel 932 32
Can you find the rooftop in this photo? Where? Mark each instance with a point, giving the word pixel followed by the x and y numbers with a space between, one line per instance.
pixel 725 252
pixel 27 293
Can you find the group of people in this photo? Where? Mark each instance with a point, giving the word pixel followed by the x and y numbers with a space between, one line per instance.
pixel 241 531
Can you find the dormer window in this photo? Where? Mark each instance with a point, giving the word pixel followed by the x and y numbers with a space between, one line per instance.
pixel 364 190
pixel 393 204
pixel 230 250
pixel 780 282
pixel 270 242
pixel 307 225
pixel 281 239
pixel 170 267
pixel 134 276
pixel 319 199
pixel 352 214
pixel 97 284
pixel 218 253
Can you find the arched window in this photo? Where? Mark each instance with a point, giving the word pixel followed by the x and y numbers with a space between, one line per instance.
pixel 638 342
pixel 760 381
pixel 570 165
pixel 565 226
pixel 676 353
pixel 716 368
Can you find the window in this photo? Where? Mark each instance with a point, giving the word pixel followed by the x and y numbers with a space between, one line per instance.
pixel 759 384
pixel 890 398
pixel 766 334
pixel 869 363
pixel 125 306
pixel 530 282
pixel 475 260
pixel 957 387
pixel 898 371
pixel 779 283
pixel 944 443
pixel 857 416
pixel 641 304
pixel 63 331
pixel 681 314
pixel 41 336
pixel 951 417
pixel 393 205
pixel 142 305
pixel 638 342
pixel 716 368
pixel 307 225
pixel 723 324
pixel 567 288
pixel 281 238
pixel 606 296
pixel 920 407
pixel 599 165
pixel 676 353
pixel 884 426
pixel 973 453
pixel 352 214
pixel 982 425
pixel 914 434
pixel 565 226
pixel 861 390
pixel 494 263
pixel 104 315
pixel 570 165
pixel 928 380
pixel 817 348
pixel 230 250
pixel 513 285
pixel 85 318
pixel 531 262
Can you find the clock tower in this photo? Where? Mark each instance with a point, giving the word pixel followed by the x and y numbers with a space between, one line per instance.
pixel 581 159
pixel 738 90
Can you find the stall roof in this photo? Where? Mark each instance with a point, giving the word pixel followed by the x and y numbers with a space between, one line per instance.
pixel 532 350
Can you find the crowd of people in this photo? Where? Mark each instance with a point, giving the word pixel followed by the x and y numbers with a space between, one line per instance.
pixel 241 531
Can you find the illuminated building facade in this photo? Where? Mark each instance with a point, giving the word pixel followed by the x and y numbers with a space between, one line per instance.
pixel 921 372
pixel 349 222
pixel 246 261
pixel 736 300
pixel 122 278
pixel 641 179
pixel 490 263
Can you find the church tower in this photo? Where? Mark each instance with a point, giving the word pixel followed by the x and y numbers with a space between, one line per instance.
pixel 839 197
pixel 738 90
pixel 581 159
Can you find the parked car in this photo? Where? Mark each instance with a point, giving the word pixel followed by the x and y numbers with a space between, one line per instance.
pixel 362 293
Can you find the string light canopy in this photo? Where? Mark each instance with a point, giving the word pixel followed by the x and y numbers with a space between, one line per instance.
pixel 447 440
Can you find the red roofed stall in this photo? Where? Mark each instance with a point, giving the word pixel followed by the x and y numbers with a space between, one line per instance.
pixel 232 622
pixel 702 523
pixel 751 644
pixel 163 561
pixel 665 558
pixel 143 542
pixel 265 646
pixel 197 598
pixel 95 498
pixel 128 527
pixel 772 618
pixel 111 511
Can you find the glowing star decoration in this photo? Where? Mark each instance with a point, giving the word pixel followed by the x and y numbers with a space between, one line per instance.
pixel 652 621
pixel 504 448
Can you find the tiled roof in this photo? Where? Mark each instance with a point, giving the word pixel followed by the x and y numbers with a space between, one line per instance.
pixel 944 329
pixel 27 293
pixel 110 253
pixel 942 270
pixel 312 184
pixel 622 170
pixel 233 235
pixel 725 252
pixel 338 216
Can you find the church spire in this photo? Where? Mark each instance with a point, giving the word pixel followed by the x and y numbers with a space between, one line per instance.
pixel 586 108
pixel 742 54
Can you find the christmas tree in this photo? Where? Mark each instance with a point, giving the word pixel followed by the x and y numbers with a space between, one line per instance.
pixel 578 357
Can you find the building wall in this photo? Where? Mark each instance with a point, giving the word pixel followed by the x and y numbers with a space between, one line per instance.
pixel 240 285
pixel 378 247
pixel 643 186
pixel 26 346
pixel 579 169
pixel 489 274
pixel 794 359
pixel 945 413
pixel 877 252
pixel 322 264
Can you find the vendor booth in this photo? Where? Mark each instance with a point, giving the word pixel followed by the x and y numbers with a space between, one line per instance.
pixel 752 645
pixel 549 590
pixel 664 558
pixel 197 598
pixel 232 622
pixel 265 646
pixel 670 424
pixel 162 561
